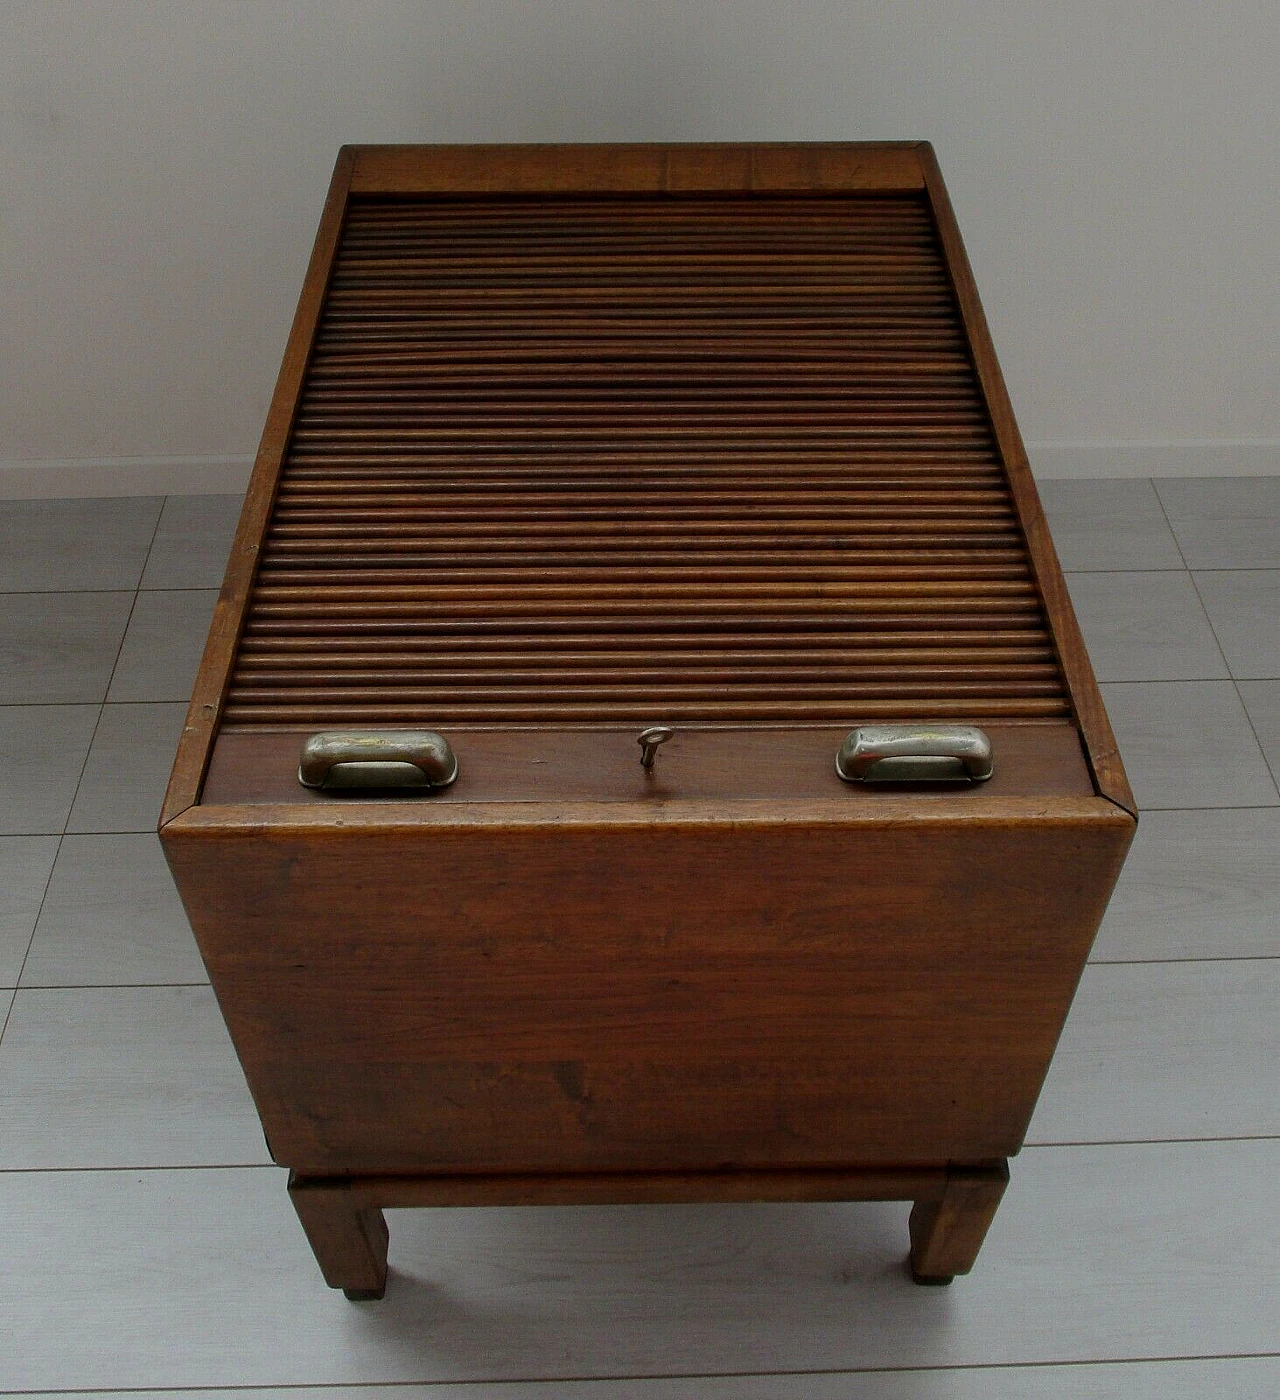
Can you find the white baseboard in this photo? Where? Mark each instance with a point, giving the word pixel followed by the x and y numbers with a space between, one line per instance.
pixel 1052 461
pixel 124 476
pixel 193 476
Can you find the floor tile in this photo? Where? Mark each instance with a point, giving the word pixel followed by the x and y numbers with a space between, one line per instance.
pixel 1197 885
pixel 1166 1050
pixel 77 544
pixel 122 1077
pixel 202 1278
pixel 158 1277
pixel 1225 522
pixel 42 750
pixel 25 863
pixel 1108 525
pixel 1188 744
pixel 128 768
pixel 162 648
pixel 1244 608
pixel 1221 1377
pixel 59 648
pixel 193 542
pixel 111 916
pixel 1262 702
pixel 1145 627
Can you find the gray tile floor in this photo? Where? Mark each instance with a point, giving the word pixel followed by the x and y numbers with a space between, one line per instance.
pixel 147 1243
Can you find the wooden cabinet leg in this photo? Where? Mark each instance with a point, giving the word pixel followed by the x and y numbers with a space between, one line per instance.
pixel 349 1241
pixel 947 1231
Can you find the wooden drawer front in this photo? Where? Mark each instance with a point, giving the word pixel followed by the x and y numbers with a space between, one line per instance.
pixel 621 997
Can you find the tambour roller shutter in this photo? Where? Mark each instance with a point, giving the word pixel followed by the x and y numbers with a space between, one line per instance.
pixel 600 459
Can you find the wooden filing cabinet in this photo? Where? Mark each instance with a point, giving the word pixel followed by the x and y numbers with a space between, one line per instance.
pixel 574 442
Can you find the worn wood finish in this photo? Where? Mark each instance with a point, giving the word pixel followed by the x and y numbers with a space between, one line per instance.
pixel 920 809
pixel 581 995
pixel 599 765
pixel 574 439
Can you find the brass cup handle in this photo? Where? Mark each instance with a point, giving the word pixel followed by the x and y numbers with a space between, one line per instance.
pixel 378 758
pixel 915 753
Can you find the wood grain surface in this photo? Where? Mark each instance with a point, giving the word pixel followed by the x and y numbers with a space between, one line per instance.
pixel 586 996
pixel 594 169
pixel 570 440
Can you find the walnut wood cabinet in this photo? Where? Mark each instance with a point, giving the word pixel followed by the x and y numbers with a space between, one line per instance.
pixel 570 442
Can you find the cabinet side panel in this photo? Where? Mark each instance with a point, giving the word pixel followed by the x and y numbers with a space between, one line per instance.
pixel 1100 743
pixel 643 998
pixel 228 617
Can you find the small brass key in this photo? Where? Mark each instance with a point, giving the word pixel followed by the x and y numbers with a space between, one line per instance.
pixel 649 740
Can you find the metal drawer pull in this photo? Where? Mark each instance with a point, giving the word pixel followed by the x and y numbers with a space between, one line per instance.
pixel 911 753
pixel 386 758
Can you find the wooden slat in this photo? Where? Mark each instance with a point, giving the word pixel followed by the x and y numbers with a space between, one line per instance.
pixel 578 459
pixel 631 169
pixel 394 715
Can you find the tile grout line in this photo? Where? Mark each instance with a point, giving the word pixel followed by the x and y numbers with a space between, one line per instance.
pixel 206 588
pixel 1163 962
pixel 26 952
pixel 1046 1143
pixel 1170 570
pixel 178 986
pixel 102 707
pixel 1235 684
pixel 137 590
pixel 1052 1145
pixel 1253 728
pixel 599 1379
pixel 103 704
pixel 80 779
pixel 1160 962
pixel 146 1167
pixel 175 986
pixel 1189 680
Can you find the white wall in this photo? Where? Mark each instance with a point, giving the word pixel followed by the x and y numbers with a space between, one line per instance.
pixel 1115 168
